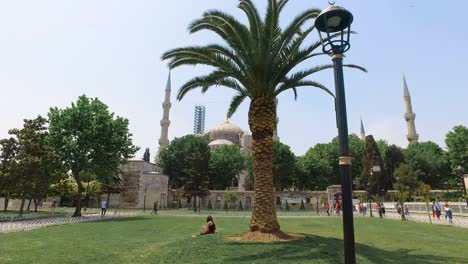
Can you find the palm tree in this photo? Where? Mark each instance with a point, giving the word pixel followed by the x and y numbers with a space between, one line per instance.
pixel 257 61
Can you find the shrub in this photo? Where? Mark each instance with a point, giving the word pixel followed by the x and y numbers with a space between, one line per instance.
pixel 302 205
pixel 286 206
pixel 209 206
pixel 240 207
pixel 225 206
pixel 179 204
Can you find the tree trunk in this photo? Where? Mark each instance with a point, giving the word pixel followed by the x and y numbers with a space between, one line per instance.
pixel 23 200
pixel 428 214
pixel 36 203
pixel 403 218
pixel 29 205
pixel 108 200
pixel 262 120
pixel 77 212
pixel 5 204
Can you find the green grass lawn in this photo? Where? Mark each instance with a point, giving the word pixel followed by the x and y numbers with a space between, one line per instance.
pixel 167 239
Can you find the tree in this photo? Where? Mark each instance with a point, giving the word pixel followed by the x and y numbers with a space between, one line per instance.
pixel 431 162
pixel 424 190
pixel 457 142
pixel 284 166
pixel 147 155
pixel 9 148
pixel 372 180
pixel 88 139
pixel 35 165
pixel 230 198
pixel 258 63
pixel 393 159
pixel 175 159
pixel 314 168
pixel 226 163
pixel 406 178
pixel 240 207
pixel 196 181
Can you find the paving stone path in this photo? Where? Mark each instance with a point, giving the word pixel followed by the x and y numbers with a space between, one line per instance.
pixel 16 226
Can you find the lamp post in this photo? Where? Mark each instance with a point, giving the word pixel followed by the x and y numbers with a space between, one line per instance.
pixel 461 171
pixel 316 199
pixel 337 21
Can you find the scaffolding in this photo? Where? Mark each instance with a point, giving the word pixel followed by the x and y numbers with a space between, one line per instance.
pixel 199 119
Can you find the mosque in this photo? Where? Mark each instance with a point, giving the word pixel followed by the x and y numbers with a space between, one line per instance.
pixel 144 182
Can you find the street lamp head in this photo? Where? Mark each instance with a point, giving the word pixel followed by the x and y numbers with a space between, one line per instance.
pixel 334 19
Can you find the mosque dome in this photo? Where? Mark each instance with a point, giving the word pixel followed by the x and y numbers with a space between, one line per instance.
pixel 226 131
pixel 219 143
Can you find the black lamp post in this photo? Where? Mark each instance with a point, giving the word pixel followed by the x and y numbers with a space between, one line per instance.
pixel 461 171
pixel 337 21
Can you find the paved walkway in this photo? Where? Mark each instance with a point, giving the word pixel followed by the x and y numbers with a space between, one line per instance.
pixel 16 226
pixel 422 218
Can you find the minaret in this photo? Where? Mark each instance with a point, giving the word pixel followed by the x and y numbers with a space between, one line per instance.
pixel 275 132
pixel 409 115
pixel 363 132
pixel 165 122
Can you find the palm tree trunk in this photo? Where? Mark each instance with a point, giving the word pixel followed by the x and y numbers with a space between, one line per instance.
pixel 262 118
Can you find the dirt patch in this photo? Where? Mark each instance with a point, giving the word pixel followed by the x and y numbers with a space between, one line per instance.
pixel 265 237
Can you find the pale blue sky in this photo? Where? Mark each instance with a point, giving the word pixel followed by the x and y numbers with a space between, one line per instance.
pixel 52 51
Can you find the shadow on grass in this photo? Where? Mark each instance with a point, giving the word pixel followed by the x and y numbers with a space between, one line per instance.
pixel 328 250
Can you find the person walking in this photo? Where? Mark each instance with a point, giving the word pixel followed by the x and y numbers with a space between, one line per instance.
pixel 337 207
pixel 155 208
pixel 103 207
pixel 448 212
pixel 327 208
pixel 364 209
pixel 438 210
pixel 378 208
pixel 54 204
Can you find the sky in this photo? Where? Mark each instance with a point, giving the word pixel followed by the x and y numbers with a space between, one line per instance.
pixel 52 51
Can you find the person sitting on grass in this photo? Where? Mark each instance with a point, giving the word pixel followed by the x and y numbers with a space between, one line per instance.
pixel 210 227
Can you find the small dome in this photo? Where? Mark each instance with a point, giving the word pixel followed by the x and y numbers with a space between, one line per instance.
pixel 220 142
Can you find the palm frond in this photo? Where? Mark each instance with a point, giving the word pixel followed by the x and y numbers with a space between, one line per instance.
pixel 216 78
pixel 293 85
pixel 236 101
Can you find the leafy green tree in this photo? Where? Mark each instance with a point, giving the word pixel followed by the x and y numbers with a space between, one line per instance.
pixel 8 150
pixel 258 62
pixel 66 189
pixel 196 181
pixel 89 139
pixel 393 159
pixel 314 168
pixel 35 165
pixel 424 190
pixel 457 142
pixel 284 166
pixel 175 159
pixel 226 163
pixel 431 162
pixel 230 198
pixel 240 206
pixel 373 181
pixel 319 166
pixel 406 178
